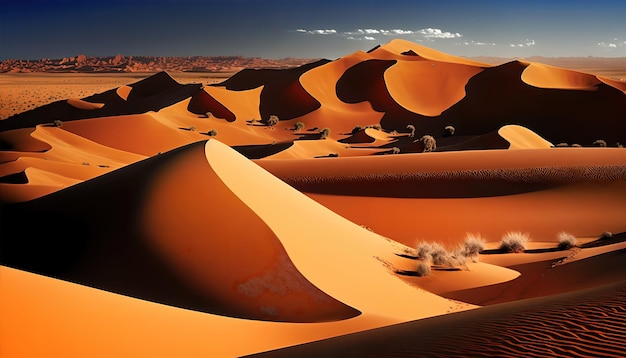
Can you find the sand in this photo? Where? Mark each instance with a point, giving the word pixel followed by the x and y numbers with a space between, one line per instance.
pixel 174 220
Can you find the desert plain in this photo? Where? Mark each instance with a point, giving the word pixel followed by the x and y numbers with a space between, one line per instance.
pixel 395 202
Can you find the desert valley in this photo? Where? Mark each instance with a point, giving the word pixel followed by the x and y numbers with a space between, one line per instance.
pixel 395 202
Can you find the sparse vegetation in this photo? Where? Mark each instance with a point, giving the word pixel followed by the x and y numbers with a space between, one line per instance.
pixel 57 123
pixel 562 145
pixel 576 145
pixel 599 143
pixel 325 133
pixel 272 120
pixel 212 133
pixel 356 129
pixel 566 240
pixel 473 245
pixel 394 150
pixel 411 129
pixel 375 126
pixel 423 250
pixel 208 115
pixel 429 143
pixel 192 128
pixel 423 269
pixel 439 255
pixel 514 242
pixel 607 235
pixel 298 126
pixel 448 131
pixel 333 155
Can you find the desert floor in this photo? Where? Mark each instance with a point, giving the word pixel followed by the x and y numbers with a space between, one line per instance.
pixel 168 215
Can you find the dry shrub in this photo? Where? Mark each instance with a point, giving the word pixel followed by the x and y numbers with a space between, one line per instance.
pixel 423 268
pixel 429 143
pixel 473 245
pixel 514 242
pixel 566 240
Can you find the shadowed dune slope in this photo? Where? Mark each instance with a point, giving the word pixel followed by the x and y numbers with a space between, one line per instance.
pixel 586 323
pixel 202 103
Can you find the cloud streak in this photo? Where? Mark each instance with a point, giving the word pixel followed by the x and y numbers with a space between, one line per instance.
pixel 615 43
pixel 526 43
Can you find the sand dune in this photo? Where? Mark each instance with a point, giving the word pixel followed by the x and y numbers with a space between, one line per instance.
pixel 522 138
pixel 177 220
pixel 564 325
pixel 84 105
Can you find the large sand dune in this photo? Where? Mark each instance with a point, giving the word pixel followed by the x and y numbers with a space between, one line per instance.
pixel 282 207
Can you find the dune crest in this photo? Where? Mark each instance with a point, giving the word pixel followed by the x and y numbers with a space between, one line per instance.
pixel 84 105
pixel 522 138
pixel 544 76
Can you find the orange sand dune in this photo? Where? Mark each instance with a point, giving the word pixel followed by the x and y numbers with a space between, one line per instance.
pixel 124 92
pixel 265 247
pixel 428 87
pixel 400 46
pixel 347 185
pixel 84 105
pixel 522 138
pixel 578 324
pixel 544 76
pixel 544 277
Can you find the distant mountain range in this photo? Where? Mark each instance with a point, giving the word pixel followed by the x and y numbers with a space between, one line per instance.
pixel 120 63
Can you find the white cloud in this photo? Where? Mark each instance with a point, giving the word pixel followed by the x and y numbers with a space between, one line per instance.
pixel 323 32
pixel 318 32
pixel 401 32
pixel 615 44
pixel 370 38
pixel 476 43
pixel 526 43
pixel 430 33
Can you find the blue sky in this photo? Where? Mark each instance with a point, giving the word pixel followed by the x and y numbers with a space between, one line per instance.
pixel 32 29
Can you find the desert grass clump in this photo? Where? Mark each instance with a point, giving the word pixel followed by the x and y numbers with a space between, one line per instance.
pixel 212 133
pixel 607 235
pixel 411 129
pixel 356 129
pixel 325 133
pixel 272 120
pixel 298 126
pixel 448 131
pixel 429 143
pixel 423 251
pixel 422 269
pixel 473 245
pixel 57 123
pixel 439 255
pixel 599 143
pixel 514 242
pixel 394 150
pixel 566 240
pixel 208 115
